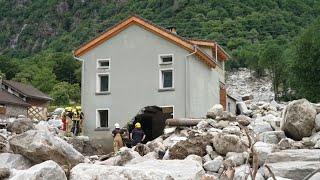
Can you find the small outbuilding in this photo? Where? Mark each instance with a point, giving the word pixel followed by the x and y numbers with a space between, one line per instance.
pixel 21 99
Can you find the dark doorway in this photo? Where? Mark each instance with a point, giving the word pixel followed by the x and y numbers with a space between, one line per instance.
pixel 152 120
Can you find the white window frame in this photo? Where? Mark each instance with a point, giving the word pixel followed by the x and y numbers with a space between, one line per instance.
pixel 103 67
pixel 165 63
pixel 98 117
pixel 98 82
pixel 160 78
pixel 169 106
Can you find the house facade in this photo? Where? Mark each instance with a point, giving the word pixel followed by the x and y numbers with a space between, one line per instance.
pixel 21 99
pixel 135 64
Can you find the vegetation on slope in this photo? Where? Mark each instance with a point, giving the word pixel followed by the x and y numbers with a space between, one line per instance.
pixel 37 37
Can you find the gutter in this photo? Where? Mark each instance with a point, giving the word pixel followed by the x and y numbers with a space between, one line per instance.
pixel 187 91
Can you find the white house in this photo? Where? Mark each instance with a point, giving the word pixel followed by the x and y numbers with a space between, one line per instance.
pixel 135 64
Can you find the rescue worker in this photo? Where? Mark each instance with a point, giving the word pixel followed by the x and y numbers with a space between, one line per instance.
pixel 76 120
pixel 68 120
pixel 137 135
pixel 117 138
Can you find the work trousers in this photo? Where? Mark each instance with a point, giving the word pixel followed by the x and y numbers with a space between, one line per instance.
pixel 117 142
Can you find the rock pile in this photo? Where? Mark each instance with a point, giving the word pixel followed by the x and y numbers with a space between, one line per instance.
pixel 272 140
pixel 242 83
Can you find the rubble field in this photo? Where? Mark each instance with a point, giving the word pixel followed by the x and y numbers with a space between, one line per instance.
pixel 273 141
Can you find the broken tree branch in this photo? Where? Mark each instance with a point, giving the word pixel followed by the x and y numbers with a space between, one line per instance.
pixel 271 173
pixel 311 174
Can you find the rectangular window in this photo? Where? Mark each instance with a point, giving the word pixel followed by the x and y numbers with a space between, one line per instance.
pixel 103 82
pixel 165 59
pixel 102 118
pixel 166 78
pixel 103 63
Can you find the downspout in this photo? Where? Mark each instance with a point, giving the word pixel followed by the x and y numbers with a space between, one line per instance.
pixel 82 73
pixel 187 91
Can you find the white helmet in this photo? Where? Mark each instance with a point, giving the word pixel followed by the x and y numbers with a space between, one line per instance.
pixel 116 125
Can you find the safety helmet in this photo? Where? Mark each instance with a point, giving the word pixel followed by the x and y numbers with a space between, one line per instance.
pixel 116 125
pixel 78 107
pixel 68 109
pixel 137 125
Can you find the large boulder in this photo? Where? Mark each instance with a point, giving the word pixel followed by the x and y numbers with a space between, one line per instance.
pixel 193 145
pixel 102 172
pixel 48 170
pixel 294 155
pixel 224 143
pixel 40 146
pixel 153 169
pixel 14 161
pixel 295 170
pixel 299 119
pixel 178 169
pixel 20 125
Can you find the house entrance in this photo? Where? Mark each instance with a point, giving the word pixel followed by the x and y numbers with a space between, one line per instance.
pixel 152 120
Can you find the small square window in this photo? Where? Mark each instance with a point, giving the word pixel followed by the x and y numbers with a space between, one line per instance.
pixel 166 79
pixel 102 118
pixel 103 64
pixel 103 83
pixel 166 59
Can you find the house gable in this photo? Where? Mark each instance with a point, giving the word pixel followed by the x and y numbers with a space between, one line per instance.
pixel 135 20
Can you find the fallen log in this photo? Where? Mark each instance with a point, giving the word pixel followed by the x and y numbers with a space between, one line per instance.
pixel 182 122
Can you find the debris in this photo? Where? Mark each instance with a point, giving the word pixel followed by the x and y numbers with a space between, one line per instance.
pixel 193 145
pixel 182 122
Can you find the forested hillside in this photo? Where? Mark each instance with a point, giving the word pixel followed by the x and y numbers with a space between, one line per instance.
pixel 38 36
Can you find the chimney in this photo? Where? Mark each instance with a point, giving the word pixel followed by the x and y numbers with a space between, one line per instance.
pixel 172 29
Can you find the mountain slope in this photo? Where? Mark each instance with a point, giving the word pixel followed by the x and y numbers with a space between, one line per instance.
pixel 29 27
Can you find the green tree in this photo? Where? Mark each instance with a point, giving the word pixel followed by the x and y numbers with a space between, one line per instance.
pixel 9 66
pixel 44 79
pixel 60 94
pixel 305 65
pixel 271 58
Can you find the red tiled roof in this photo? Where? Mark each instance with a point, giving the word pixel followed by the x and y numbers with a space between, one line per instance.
pixel 114 30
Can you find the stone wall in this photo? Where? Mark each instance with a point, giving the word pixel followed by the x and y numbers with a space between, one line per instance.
pixel 14 111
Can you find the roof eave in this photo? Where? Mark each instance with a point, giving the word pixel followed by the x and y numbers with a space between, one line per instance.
pixel 114 30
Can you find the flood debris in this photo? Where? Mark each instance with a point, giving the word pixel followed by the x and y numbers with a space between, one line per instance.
pixel 258 145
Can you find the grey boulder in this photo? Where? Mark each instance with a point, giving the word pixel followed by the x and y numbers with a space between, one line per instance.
pixel 14 161
pixel 20 125
pixel 48 170
pixel 299 119
pixel 40 146
pixel 224 143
